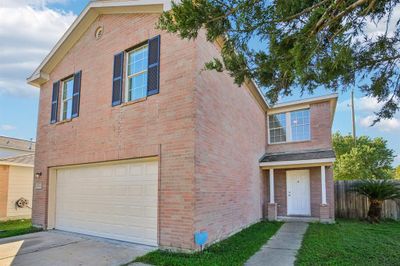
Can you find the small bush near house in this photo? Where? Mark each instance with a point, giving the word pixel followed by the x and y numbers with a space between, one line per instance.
pixel 377 191
pixel 232 251
pixel 16 227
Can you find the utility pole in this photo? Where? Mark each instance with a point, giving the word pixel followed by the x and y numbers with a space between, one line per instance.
pixel 353 117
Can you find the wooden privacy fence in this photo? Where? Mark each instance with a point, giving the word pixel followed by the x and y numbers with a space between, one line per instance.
pixel 352 205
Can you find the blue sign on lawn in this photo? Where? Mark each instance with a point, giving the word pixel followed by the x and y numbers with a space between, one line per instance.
pixel 200 238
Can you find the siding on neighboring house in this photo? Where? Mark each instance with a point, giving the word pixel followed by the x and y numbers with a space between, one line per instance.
pixel 162 124
pixel 4 170
pixel 230 139
pixel 20 185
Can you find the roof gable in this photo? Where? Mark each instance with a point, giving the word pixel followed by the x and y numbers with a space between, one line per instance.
pixel 83 22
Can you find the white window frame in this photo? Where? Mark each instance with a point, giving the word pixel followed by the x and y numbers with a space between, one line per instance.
pixel 288 127
pixel 67 99
pixel 127 76
pixel 269 132
pixel 309 125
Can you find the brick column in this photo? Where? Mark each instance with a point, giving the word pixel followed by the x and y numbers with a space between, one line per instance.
pixel 324 207
pixel 324 213
pixel 272 211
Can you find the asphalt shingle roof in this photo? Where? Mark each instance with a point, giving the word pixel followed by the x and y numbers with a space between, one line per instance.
pixel 27 159
pixel 296 156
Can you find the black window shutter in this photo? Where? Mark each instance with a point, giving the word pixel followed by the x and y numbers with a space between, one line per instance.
pixel 117 79
pixel 153 74
pixel 76 94
pixel 54 102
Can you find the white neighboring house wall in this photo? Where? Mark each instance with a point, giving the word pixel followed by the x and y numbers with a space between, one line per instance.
pixel 20 185
pixel 18 156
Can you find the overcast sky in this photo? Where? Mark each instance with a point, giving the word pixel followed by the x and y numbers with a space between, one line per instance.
pixel 30 28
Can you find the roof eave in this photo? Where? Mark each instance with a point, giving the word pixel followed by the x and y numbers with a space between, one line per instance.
pixel 329 97
pixel 250 83
pixel 82 23
pixel 297 163
pixel 332 98
pixel 16 164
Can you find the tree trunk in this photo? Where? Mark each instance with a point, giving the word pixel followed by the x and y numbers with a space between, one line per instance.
pixel 375 210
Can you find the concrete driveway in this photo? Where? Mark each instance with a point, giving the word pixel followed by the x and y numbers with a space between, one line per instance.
pixel 62 248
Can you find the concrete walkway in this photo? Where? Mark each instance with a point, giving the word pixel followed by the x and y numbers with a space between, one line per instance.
pixel 282 248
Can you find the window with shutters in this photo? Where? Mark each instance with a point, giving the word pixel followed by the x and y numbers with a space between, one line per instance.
pixel 66 99
pixel 136 72
pixel 137 68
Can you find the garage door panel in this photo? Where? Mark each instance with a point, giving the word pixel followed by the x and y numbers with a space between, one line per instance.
pixel 117 201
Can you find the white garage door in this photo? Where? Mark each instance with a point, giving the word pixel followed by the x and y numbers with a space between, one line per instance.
pixel 117 201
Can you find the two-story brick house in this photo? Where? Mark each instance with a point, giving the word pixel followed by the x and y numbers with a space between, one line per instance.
pixel 136 143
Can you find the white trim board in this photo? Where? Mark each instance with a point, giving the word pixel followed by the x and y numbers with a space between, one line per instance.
pixel 306 101
pixel 16 164
pixel 298 162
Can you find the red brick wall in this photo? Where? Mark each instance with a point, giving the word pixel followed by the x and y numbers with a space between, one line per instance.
pixel 315 190
pixel 321 132
pixel 4 172
pixel 103 133
pixel 230 140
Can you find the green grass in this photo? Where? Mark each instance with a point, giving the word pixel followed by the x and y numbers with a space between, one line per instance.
pixel 351 242
pixel 234 250
pixel 17 227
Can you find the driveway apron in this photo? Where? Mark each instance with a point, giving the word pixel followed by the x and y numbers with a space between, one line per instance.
pixel 61 248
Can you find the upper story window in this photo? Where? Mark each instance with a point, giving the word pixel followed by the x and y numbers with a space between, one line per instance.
pixel 300 125
pixel 289 126
pixel 139 70
pixel 277 128
pixel 137 73
pixel 66 101
pixel 66 98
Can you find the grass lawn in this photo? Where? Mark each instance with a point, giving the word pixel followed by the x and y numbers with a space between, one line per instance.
pixel 234 250
pixel 17 227
pixel 351 242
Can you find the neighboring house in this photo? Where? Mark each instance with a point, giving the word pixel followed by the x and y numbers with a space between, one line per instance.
pixel 136 143
pixel 16 178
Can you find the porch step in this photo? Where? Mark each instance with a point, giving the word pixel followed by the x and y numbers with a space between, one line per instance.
pixel 298 219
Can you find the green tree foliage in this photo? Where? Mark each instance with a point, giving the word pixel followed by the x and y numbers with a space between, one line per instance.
pixel 397 172
pixel 303 44
pixel 367 159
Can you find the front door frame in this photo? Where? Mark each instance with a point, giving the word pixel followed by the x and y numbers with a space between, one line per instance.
pixel 306 175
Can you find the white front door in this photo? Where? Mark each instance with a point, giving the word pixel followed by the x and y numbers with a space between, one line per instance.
pixel 298 192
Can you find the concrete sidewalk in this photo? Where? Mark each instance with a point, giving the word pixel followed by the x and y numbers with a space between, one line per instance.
pixel 282 248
